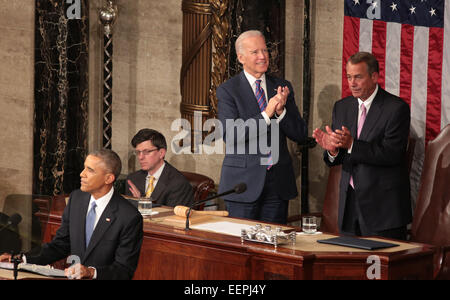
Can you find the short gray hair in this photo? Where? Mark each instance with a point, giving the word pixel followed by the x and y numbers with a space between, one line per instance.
pixel 245 35
pixel 368 58
pixel 110 159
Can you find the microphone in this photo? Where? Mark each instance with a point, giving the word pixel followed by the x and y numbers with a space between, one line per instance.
pixel 238 189
pixel 13 220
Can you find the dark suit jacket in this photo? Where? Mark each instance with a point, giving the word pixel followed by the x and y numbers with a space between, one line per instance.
pixel 377 161
pixel 172 188
pixel 237 101
pixel 115 243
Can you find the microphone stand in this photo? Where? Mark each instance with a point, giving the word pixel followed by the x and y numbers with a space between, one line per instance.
pixel 16 260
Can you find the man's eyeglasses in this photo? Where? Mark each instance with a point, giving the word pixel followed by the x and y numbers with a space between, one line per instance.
pixel 145 152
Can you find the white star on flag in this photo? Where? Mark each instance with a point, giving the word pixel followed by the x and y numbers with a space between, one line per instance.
pixel 394 6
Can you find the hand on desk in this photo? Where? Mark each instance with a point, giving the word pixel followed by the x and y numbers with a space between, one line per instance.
pixel 78 271
pixel 5 257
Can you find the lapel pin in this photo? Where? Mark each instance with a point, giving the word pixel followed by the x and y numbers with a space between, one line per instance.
pixel 108 220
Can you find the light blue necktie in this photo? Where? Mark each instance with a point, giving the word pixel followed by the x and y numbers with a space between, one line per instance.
pixel 90 222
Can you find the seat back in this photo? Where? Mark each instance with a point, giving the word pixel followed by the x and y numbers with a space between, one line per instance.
pixel 330 209
pixel 202 185
pixel 431 222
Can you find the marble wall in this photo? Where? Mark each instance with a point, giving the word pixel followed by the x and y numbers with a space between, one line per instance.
pixel 60 97
pixel 147 61
pixel 16 97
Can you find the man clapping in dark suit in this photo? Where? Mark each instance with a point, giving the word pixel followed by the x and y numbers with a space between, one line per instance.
pixel 369 136
pixel 157 178
pixel 267 104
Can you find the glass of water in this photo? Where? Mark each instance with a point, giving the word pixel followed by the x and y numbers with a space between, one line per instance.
pixel 145 206
pixel 309 224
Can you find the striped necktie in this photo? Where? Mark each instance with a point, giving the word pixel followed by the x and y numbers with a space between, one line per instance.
pixel 261 97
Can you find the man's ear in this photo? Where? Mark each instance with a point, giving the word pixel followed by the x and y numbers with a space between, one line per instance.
pixel 110 178
pixel 162 153
pixel 240 58
pixel 375 76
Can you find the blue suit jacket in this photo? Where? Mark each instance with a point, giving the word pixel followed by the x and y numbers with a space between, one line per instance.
pixel 237 101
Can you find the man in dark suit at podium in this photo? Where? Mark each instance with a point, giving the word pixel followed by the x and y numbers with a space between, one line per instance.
pixel 157 178
pixel 99 227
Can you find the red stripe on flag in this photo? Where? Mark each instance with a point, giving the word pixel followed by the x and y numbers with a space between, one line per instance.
pixel 351 46
pixel 434 88
pixel 406 62
pixel 379 48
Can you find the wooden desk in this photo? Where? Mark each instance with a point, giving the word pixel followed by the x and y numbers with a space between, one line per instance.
pixel 170 252
pixel 9 275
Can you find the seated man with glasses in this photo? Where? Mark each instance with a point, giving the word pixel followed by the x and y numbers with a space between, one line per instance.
pixel 157 178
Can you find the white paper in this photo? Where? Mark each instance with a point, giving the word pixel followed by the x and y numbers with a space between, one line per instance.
pixel 7 265
pixel 224 227
pixel 304 233
pixel 42 270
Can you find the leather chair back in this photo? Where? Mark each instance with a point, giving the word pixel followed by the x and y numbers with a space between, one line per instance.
pixel 431 222
pixel 202 185
pixel 330 209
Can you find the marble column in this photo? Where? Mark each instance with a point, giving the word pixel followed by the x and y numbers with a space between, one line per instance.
pixel 61 96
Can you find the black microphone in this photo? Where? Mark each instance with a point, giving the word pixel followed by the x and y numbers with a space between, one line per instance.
pixel 13 220
pixel 238 189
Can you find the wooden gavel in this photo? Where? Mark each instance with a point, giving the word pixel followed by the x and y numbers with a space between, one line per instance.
pixel 182 211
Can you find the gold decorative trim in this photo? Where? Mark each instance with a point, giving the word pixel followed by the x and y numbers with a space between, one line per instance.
pixel 187 108
pixel 191 7
pixel 221 28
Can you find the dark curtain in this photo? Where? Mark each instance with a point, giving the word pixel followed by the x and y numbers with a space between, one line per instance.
pixel 267 16
pixel 61 97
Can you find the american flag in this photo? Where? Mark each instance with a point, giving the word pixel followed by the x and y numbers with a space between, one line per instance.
pixel 410 39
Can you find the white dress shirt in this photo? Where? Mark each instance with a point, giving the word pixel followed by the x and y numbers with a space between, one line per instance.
pixel 367 104
pixel 101 202
pixel 252 80
pixel 156 176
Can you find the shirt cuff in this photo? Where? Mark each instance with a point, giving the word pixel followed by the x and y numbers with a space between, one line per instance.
pixel 349 151
pixel 266 117
pixel 280 117
pixel 95 272
pixel 331 158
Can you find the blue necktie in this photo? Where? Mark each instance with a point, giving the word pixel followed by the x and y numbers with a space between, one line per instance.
pixel 261 97
pixel 90 222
